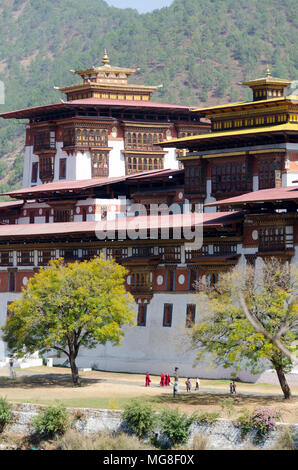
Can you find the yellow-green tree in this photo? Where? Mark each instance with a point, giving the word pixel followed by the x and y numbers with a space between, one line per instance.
pixel 250 316
pixel 68 306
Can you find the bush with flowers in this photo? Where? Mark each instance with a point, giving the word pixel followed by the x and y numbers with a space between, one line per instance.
pixel 262 420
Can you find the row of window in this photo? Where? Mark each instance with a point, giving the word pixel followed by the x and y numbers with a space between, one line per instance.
pixel 167 315
pixel 112 96
pixel 85 137
pixel 135 164
pixel 142 140
pixel 263 93
pixel 233 177
pixel 217 125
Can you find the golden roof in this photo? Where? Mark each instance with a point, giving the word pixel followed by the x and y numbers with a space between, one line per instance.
pixel 212 135
pixel 239 104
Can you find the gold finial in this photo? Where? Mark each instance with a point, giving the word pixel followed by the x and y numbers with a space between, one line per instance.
pixel 105 59
pixel 268 73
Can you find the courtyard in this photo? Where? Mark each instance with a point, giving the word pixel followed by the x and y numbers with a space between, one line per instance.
pixel 111 390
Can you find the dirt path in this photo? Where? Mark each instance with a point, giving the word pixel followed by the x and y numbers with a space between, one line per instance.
pixel 113 390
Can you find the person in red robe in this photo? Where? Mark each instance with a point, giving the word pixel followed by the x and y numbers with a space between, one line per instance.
pixel 162 380
pixel 167 379
pixel 148 380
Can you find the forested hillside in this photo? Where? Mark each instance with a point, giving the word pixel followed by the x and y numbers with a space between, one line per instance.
pixel 200 50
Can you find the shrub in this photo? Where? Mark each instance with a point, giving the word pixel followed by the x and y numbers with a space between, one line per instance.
pixel 262 420
pixel 51 421
pixel 73 440
pixel 208 418
pixel 200 442
pixel 176 426
pixel 139 418
pixel 228 407
pixel 5 413
pixel 285 441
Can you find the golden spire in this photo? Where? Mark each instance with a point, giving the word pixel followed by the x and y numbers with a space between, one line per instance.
pixel 268 73
pixel 105 59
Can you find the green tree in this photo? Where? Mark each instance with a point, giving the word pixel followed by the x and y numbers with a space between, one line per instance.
pixel 68 306
pixel 249 316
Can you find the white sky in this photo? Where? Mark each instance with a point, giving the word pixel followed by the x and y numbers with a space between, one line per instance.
pixel 142 6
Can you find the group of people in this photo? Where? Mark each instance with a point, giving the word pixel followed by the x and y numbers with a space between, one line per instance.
pixel 165 380
pixel 188 384
pixel 232 388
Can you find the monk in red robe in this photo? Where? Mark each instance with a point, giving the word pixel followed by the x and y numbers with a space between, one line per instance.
pixel 167 379
pixel 148 380
pixel 162 380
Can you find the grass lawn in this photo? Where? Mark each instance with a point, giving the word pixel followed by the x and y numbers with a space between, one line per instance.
pixel 112 390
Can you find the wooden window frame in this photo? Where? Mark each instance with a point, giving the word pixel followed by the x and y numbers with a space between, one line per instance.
pixel 142 314
pixel 167 315
pixel 190 315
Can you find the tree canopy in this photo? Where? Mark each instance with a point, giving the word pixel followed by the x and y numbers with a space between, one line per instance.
pixel 269 294
pixel 69 306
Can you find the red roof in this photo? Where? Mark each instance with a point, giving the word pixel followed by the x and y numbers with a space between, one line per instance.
pixel 211 219
pixel 64 186
pixel 95 102
pixel 76 185
pixel 10 204
pixel 272 194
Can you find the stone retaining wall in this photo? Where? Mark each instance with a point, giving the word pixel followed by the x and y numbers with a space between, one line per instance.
pixel 223 434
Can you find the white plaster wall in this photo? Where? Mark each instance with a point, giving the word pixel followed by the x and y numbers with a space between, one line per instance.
pixel 155 348
pixel 70 163
pixel 289 178
pixel 170 160
pixel 4 298
pixel 116 158
pixel 82 166
pixel 29 158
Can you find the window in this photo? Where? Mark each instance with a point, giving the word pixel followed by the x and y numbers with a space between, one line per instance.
pixel 12 281
pixel 31 217
pixel 230 177
pixel 45 256
pixel 142 314
pixel 6 258
pixel 100 163
pixel 47 216
pixel 62 168
pixel 25 258
pixel 269 170
pixel 195 179
pixel 167 314
pixel 190 315
pixel 46 169
pixel 63 215
pixel 34 174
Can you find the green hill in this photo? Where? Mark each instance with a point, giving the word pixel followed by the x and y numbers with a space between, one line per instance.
pixel 200 50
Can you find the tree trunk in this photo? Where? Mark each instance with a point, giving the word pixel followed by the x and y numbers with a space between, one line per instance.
pixel 74 371
pixel 283 382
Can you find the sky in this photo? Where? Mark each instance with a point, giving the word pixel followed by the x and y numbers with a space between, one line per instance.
pixel 143 6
